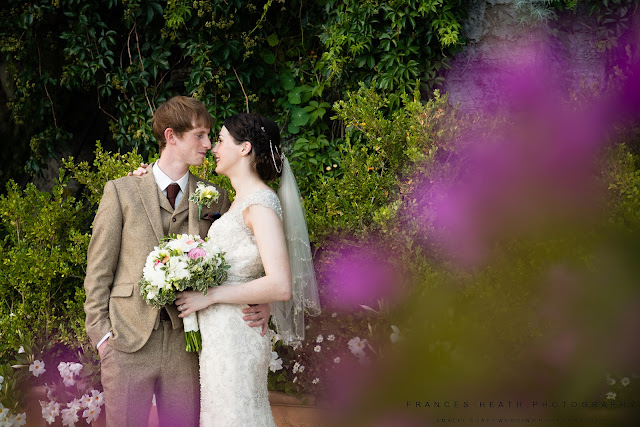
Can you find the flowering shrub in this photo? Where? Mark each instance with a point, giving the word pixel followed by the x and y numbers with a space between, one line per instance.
pixel 335 341
pixel 72 385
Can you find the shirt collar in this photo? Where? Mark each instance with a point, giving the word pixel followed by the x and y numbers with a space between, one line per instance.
pixel 163 180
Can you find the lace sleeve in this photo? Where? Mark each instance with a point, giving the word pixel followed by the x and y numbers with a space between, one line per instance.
pixel 266 198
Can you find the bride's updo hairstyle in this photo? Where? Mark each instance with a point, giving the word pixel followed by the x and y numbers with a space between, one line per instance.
pixel 264 136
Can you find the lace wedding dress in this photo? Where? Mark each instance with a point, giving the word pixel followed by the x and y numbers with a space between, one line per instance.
pixel 234 359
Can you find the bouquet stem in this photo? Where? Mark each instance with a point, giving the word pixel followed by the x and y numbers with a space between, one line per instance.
pixel 192 337
pixel 193 341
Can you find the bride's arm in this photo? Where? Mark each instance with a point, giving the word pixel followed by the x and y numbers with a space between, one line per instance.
pixel 276 283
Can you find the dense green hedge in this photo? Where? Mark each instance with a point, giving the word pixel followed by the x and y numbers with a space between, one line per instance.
pixel 80 70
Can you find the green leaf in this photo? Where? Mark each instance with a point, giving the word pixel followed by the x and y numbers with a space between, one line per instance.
pixel 294 97
pixel 293 129
pixel 273 40
pixel 287 81
pixel 299 117
pixel 268 57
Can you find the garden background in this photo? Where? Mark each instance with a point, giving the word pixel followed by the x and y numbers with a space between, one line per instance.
pixel 470 171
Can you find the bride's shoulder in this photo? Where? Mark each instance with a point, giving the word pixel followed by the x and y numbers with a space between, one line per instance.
pixel 264 197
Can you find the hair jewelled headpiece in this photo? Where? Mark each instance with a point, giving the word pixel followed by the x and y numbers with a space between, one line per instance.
pixel 273 157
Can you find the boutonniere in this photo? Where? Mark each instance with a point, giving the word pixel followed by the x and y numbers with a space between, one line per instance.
pixel 204 195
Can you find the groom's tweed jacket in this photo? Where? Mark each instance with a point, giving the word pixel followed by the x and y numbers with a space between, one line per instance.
pixel 132 218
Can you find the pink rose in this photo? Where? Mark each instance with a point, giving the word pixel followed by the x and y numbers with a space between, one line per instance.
pixel 196 253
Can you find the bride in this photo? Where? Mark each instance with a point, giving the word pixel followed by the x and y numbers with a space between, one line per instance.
pixel 270 263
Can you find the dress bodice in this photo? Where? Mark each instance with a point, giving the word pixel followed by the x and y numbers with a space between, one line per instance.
pixel 237 241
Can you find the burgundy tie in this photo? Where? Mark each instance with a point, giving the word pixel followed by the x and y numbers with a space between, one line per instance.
pixel 172 192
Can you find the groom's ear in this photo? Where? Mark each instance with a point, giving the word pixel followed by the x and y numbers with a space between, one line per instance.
pixel 168 136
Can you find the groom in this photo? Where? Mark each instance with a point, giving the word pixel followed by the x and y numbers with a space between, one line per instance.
pixel 141 348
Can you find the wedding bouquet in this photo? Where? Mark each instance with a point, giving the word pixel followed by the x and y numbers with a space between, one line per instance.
pixel 182 262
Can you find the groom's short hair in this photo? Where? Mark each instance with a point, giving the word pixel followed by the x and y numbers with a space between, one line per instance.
pixel 180 113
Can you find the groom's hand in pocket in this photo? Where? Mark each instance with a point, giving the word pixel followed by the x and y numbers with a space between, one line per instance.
pixel 258 315
pixel 102 347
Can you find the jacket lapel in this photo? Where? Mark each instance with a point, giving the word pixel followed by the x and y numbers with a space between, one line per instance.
pixel 151 202
pixel 194 224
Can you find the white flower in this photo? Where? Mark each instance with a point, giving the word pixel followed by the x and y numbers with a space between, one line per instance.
pixel 296 366
pixel 336 360
pixel 319 339
pixel 396 335
pixel 6 419
pixel 1 379
pixel 316 380
pixel 331 337
pixel 68 377
pixel 68 380
pixel 301 369
pixel 610 380
pixel 75 368
pixel 63 367
pixel 317 349
pixel 178 268
pixel 625 381
pixel 75 404
pixel 97 397
pixel 87 400
pixel 275 364
pixel 178 244
pixel 611 395
pixel 69 417
pixel 154 275
pixel 204 194
pixel 357 346
pixel 37 367
pixel 20 419
pixel 50 411
pixel 21 350
pixel 334 314
pixel 294 380
pixel 91 413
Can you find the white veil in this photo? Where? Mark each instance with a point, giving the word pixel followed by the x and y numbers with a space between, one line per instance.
pixel 289 315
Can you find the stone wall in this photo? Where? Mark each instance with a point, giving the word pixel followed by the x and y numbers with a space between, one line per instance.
pixel 499 45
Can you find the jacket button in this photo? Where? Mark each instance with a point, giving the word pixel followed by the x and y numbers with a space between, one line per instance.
pixel 173 219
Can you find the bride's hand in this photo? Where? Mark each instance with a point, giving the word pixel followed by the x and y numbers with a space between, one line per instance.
pixel 140 171
pixel 191 301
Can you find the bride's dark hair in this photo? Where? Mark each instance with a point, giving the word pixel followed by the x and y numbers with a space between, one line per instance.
pixel 264 136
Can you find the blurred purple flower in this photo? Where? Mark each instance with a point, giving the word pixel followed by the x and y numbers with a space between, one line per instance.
pixel 535 173
pixel 361 275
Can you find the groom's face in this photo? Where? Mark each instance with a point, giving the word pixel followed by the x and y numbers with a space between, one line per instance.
pixel 193 145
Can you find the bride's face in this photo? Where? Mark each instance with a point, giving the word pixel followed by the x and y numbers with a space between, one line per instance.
pixel 226 152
